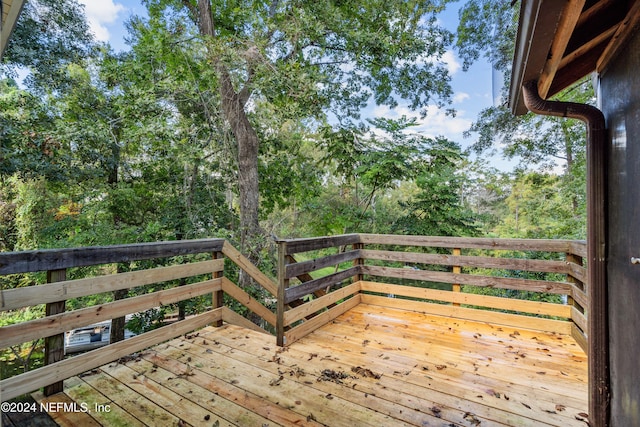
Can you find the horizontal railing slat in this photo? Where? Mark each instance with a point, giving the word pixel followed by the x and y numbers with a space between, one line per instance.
pixel 58 259
pixel 577 271
pixel 62 322
pixel 511 304
pixel 320 303
pixel 547 245
pixel 12 299
pixel 580 297
pixel 579 318
pixel 41 377
pixel 297 292
pixel 463 313
pixel 295 246
pixel 547 266
pixel 300 268
pixel 470 279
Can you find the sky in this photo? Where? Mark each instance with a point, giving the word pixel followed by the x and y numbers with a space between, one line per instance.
pixel 472 89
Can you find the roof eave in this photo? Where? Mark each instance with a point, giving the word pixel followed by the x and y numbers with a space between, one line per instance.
pixel 539 20
pixel 6 27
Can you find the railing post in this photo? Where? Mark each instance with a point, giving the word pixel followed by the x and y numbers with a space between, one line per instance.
pixel 217 298
pixel 118 324
pixel 456 270
pixel 54 345
pixel 358 261
pixel 283 284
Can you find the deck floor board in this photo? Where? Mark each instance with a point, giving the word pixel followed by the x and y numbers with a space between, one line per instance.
pixel 371 366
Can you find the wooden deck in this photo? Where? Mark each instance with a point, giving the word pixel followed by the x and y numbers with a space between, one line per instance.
pixel 372 366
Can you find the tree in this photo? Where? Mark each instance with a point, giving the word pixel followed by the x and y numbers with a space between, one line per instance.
pixel 438 209
pixel 49 35
pixel 308 58
pixel 489 29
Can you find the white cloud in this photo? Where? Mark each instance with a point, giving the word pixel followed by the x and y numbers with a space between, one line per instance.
pixel 451 61
pixel 460 97
pixel 99 13
pixel 436 123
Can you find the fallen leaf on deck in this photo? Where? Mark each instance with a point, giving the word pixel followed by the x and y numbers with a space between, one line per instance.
pixel 331 375
pixel 276 381
pixel 472 419
pixel 560 408
pixel 366 373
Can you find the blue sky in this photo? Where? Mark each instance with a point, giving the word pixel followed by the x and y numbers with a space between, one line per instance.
pixel 472 89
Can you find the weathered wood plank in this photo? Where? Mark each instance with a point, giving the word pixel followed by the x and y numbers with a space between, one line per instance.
pixel 546 266
pixel 12 299
pixel 547 245
pixel 79 391
pixel 232 391
pixel 264 380
pixel 139 406
pixel 470 279
pixel 248 301
pixel 320 303
pixel 243 262
pixel 511 304
pixel 309 326
pixel 580 297
pixel 402 384
pixel 360 390
pixel 67 418
pixel 296 292
pixel 184 409
pixel 578 247
pixel 433 369
pixel 212 400
pixel 32 380
pixel 58 259
pixel 577 271
pixel 300 268
pixel 54 343
pixel 59 323
pixel 534 323
pixel 579 319
pixel 580 337
pixel 294 246
pixel 402 365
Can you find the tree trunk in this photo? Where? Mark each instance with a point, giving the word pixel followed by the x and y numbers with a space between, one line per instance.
pixel 568 147
pixel 247 142
pixel 233 109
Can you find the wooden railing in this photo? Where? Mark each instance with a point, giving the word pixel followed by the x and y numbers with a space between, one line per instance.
pixel 318 279
pixel 363 268
pixel 58 290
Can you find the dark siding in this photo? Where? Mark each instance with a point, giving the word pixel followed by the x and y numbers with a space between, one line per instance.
pixel 620 101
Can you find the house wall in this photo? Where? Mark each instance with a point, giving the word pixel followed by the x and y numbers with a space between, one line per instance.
pixel 620 103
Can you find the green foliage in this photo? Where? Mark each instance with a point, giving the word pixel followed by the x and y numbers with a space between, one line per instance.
pixel 437 208
pixel 49 35
pixel 538 209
